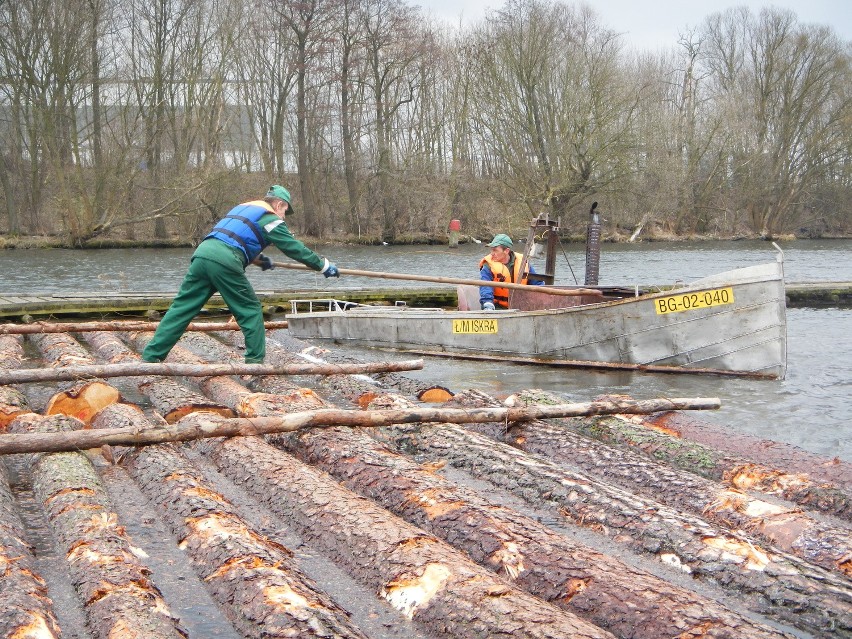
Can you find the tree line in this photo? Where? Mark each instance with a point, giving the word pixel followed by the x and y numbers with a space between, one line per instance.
pixel 151 118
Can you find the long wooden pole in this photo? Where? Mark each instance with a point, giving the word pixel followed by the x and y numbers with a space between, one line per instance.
pixel 579 363
pixel 136 369
pixel 118 325
pixel 449 280
pixel 202 425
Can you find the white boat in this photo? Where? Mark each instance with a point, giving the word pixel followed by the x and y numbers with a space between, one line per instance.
pixel 730 323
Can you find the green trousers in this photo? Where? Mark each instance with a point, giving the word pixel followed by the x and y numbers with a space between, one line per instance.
pixel 204 278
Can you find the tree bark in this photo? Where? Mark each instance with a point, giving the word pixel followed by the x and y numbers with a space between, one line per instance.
pixel 420 576
pixel 118 325
pixel 587 583
pixel 24 599
pixel 256 580
pixel 767 580
pixel 594 586
pixel 112 583
pixel 137 369
pixel 12 401
pixel 665 437
pixel 80 399
pixel 787 528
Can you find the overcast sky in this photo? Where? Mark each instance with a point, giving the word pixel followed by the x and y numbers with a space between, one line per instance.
pixel 650 25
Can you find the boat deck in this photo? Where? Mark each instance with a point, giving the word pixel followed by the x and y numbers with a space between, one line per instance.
pixel 13 306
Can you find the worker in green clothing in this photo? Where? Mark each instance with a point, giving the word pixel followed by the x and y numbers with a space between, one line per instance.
pixel 219 264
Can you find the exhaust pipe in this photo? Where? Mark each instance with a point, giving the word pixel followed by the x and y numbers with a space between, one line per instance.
pixel 593 247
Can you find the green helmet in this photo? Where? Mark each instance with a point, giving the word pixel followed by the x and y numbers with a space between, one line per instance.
pixel 282 194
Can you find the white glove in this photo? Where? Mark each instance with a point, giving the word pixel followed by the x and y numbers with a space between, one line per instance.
pixel 488 306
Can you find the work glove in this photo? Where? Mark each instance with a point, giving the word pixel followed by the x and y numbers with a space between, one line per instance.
pixel 331 271
pixel 488 306
pixel 264 262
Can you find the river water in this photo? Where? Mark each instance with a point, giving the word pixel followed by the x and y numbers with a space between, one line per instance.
pixel 811 408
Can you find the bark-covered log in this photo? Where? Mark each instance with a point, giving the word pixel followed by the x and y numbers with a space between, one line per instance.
pixel 254 579
pixel 666 444
pixel 768 453
pixel 137 369
pixel 598 588
pixel 419 577
pixel 785 527
pixel 602 590
pixel 416 573
pixel 27 610
pixel 768 580
pixel 12 401
pixel 81 399
pixel 112 583
pixel 118 325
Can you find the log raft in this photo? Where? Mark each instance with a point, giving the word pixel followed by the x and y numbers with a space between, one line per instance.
pixel 391 561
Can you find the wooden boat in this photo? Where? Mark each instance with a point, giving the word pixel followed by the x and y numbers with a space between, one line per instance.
pixel 733 323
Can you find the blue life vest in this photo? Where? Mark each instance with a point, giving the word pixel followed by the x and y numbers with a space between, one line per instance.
pixel 240 228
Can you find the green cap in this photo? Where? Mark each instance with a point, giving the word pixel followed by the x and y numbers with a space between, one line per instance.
pixel 501 239
pixel 282 194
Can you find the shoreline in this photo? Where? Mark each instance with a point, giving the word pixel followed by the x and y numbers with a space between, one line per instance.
pixel 27 242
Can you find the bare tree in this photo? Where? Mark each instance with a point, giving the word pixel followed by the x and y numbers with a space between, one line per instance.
pixel 784 87
pixel 554 103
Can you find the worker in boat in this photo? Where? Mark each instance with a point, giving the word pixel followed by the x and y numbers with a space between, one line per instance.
pixel 501 265
pixel 219 264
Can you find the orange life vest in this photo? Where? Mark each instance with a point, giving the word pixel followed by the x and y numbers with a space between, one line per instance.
pixel 502 274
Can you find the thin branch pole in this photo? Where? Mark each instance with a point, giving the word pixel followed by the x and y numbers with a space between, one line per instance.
pixel 202 425
pixel 137 369
pixel 118 325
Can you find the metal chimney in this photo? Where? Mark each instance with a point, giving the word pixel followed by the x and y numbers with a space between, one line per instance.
pixel 593 246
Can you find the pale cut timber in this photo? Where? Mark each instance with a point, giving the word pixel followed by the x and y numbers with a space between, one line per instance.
pixel 573 292
pixel 118 325
pixel 208 425
pixel 137 369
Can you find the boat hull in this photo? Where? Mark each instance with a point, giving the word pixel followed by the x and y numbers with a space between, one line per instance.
pixel 743 330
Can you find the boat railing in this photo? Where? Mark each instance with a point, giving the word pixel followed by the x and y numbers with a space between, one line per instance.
pixel 327 305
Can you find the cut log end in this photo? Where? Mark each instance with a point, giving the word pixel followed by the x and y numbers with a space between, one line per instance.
pixel 84 401
pixel 435 395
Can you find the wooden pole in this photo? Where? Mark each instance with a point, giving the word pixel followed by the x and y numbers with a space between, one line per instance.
pixel 136 369
pixel 578 363
pixel 202 425
pixel 449 280
pixel 117 325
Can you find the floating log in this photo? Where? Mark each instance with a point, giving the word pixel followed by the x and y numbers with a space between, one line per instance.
pixel 256 580
pixel 599 588
pixel 119 598
pixel 24 599
pixel 813 482
pixel 786 527
pixel 12 401
pixel 136 369
pixel 81 398
pixel 118 325
pixel 765 579
pixel 201 425
pixel 419 575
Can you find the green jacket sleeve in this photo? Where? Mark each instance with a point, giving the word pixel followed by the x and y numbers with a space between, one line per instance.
pixel 279 235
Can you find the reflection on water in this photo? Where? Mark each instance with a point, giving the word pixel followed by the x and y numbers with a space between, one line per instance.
pixel 810 408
